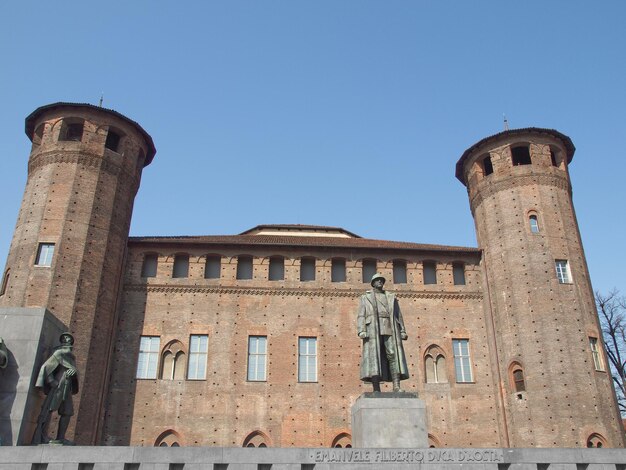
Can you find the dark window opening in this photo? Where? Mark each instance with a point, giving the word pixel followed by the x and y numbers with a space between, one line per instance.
pixel 521 155
pixel 5 282
pixel 72 131
pixel 399 272
pixel 277 268
pixel 338 270
pixel 244 267
pixel 458 274
pixel 113 140
pixel 518 380
pixel 213 267
pixel 181 266
pixel 368 270
pixel 487 166
pixel 430 272
pixel 149 267
pixel 307 269
pixel 38 134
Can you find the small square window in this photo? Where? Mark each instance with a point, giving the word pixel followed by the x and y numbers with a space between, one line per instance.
pixel 45 252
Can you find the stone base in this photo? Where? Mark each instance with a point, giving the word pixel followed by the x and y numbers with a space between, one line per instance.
pixel 389 420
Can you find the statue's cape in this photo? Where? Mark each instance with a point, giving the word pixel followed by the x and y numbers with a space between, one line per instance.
pixel 59 358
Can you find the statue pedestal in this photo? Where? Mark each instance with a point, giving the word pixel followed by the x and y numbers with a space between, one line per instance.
pixel 389 420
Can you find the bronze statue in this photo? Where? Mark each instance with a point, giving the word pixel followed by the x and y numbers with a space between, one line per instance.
pixel 380 326
pixel 58 379
pixel 4 355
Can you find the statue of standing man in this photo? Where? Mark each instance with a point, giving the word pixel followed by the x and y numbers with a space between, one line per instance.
pixel 58 379
pixel 380 326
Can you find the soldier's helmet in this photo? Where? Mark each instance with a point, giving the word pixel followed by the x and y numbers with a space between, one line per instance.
pixel 66 338
pixel 377 276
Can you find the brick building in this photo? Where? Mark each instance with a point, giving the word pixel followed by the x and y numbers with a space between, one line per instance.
pixel 250 339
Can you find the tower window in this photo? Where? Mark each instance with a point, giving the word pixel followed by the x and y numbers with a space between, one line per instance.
pixel 562 271
pixel 518 380
pixel 181 266
pixel 487 166
pixel 257 354
pixel 368 270
pixel 244 267
pixel 595 353
pixel 277 268
pixel 399 271
pixel 45 252
pixel 458 274
pixel 72 130
pixel 462 365
pixel 5 281
pixel 149 266
pixel 213 267
pixel 113 140
pixel 307 269
pixel 430 272
pixel 198 349
pixel 521 155
pixel 148 357
pixel 307 359
pixel 534 223
pixel 338 270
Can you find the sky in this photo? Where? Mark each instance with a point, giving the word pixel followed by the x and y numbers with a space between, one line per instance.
pixel 349 113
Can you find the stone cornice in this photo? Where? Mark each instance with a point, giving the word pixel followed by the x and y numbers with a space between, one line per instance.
pixel 488 188
pixel 292 292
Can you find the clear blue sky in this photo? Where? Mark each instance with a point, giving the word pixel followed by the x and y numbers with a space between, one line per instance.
pixel 327 112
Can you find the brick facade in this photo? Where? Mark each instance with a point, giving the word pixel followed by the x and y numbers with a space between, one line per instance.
pixel 502 300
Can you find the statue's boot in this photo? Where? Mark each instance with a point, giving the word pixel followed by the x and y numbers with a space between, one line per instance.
pixel 395 379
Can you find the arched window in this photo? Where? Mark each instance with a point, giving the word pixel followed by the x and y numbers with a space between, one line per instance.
pixel 342 440
pixel 277 268
pixel 430 272
pixel 596 440
pixel 458 273
pixel 307 269
pixel 213 267
pixel 181 266
pixel 169 438
pixel 368 270
pixel 173 361
pixel 256 439
pixel 244 267
pixel 149 266
pixel 516 372
pixel 533 221
pixel 435 365
pixel 399 271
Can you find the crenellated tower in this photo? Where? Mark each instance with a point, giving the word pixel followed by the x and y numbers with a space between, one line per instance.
pixel 546 343
pixel 68 249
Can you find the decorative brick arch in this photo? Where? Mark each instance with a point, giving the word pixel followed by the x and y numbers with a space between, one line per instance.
pixel 169 438
pixel 342 440
pixel 256 439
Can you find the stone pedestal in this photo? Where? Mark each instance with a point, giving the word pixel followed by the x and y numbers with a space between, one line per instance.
pixel 30 335
pixel 389 420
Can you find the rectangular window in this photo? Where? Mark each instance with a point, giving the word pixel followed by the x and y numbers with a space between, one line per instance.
pixel 149 266
pixel 198 349
pixel 307 359
pixel 213 267
pixel 181 266
pixel 595 353
pixel 148 357
pixel 257 358
pixel 368 270
pixel 430 272
pixel 462 364
pixel 277 268
pixel 458 274
pixel 338 270
pixel 399 271
pixel 244 267
pixel 307 269
pixel 45 251
pixel 562 271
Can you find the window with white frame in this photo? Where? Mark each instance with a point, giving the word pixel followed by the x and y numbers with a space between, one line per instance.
pixel 45 252
pixel 148 362
pixel 462 365
pixel 198 349
pixel 307 359
pixel 534 223
pixel 257 358
pixel 562 271
pixel 595 353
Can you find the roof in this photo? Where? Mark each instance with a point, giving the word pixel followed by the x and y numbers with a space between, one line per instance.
pixel 567 142
pixel 32 117
pixel 299 241
pixel 291 228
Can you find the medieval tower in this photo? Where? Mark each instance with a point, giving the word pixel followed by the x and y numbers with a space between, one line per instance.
pixel 68 249
pixel 546 340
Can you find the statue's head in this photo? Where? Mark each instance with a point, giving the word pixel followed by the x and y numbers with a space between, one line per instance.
pixel 378 281
pixel 66 339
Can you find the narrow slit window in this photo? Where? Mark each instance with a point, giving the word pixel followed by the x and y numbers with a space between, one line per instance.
pixel 534 223
pixel 518 380
pixel 338 270
pixel 5 282
pixel 595 354
pixel 399 271
pixel 213 267
pixel 181 266
pixel 277 268
pixel 307 269
pixel 244 267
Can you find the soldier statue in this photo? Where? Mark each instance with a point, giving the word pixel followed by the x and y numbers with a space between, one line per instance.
pixel 58 379
pixel 4 355
pixel 380 326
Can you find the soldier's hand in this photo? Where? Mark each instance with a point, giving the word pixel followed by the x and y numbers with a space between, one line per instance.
pixel 362 335
pixel 403 335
